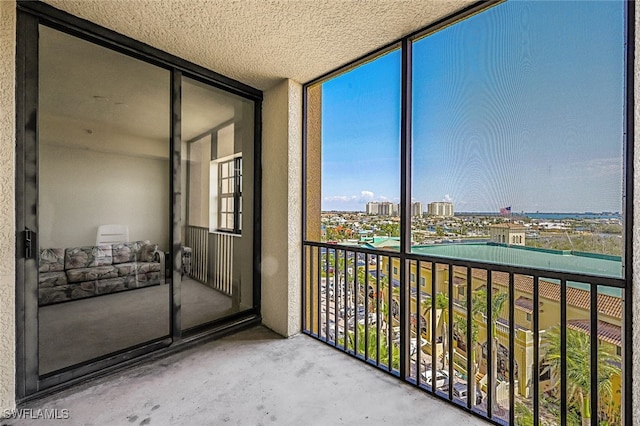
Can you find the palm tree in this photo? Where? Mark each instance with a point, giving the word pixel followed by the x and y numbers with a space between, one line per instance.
pixel 371 343
pixel 384 283
pixel 461 324
pixel 442 302
pixel 523 415
pixel 578 352
pixel 497 304
pixel 381 309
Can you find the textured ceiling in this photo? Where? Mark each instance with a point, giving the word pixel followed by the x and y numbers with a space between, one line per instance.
pixel 91 96
pixel 260 42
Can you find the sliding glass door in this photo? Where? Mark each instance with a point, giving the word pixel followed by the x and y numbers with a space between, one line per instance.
pixel 103 165
pixel 136 180
pixel 217 171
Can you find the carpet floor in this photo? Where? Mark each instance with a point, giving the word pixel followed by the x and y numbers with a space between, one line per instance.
pixel 81 330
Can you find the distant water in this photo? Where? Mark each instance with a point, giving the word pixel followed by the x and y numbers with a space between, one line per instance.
pixel 548 216
pixel 577 216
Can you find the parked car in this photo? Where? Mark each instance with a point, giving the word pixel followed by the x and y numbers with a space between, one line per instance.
pixel 442 378
pixel 460 391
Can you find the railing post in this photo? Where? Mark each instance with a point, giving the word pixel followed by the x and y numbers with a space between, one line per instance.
pixel 563 353
pixel 512 348
pixel 490 348
pixel 535 372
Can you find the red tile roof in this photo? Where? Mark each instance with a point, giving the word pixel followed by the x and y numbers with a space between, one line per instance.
pixel 576 297
pixel 606 332
pixel 524 304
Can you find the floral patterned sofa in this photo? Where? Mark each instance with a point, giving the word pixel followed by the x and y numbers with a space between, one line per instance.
pixel 80 272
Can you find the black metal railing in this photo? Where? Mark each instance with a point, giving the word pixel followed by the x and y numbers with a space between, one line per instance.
pixel 513 345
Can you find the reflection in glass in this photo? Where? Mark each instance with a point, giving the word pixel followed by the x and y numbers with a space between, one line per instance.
pixel 103 160
pixel 217 231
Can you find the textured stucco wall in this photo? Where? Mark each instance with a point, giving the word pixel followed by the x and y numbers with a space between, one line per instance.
pixel 281 207
pixel 7 199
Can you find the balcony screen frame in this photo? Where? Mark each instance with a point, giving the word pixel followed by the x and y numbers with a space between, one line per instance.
pixel 311 245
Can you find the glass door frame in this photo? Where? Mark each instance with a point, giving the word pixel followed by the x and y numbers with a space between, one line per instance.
pixel 29 383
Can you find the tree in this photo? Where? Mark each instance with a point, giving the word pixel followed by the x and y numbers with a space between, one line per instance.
pixel 384 283
pixel 461 324
pixel 497 304
pixel 442 302
pixel 523 415
pixel 578 353
pixel 371 343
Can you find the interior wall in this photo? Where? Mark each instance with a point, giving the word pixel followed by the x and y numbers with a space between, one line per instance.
pixel 77 184
pixel 199 159
pixel 281 207
pixel 7 204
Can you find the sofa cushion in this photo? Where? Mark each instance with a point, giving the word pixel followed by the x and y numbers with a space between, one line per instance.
pixel 133 268
pixel 153 277
pixel 88 257
pixel 147 253
pixel 51 279
pixel 142 280
pixel 56 294
pixel 63 293
pixel 51 260
pixel 111 285
pixel 91 274
pixel 127 252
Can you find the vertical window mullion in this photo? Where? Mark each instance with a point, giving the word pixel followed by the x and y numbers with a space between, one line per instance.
pixel 405 205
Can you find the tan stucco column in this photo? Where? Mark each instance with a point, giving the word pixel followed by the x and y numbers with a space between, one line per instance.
pixel 636 230
pixel 7 204
pixel 281 207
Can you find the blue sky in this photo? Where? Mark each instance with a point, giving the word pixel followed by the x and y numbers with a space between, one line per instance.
pixel 519 106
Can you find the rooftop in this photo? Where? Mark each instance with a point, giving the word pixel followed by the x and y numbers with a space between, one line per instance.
pixel 566 261
pixel 513 226
pixel 609 333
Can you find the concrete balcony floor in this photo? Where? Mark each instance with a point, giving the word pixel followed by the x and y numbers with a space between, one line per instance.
pixel 254 377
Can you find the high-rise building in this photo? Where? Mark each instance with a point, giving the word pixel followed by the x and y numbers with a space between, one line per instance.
pixel 416 209
pixel 440 208
pixel 372 208
pixel 382 208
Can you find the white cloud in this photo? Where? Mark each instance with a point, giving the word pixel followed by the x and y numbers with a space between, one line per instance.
pixel 341 198
pixel 448 198
pixel 364 197
pixel 601 167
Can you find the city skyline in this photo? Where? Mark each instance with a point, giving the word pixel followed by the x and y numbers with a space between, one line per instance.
pixel 535 122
